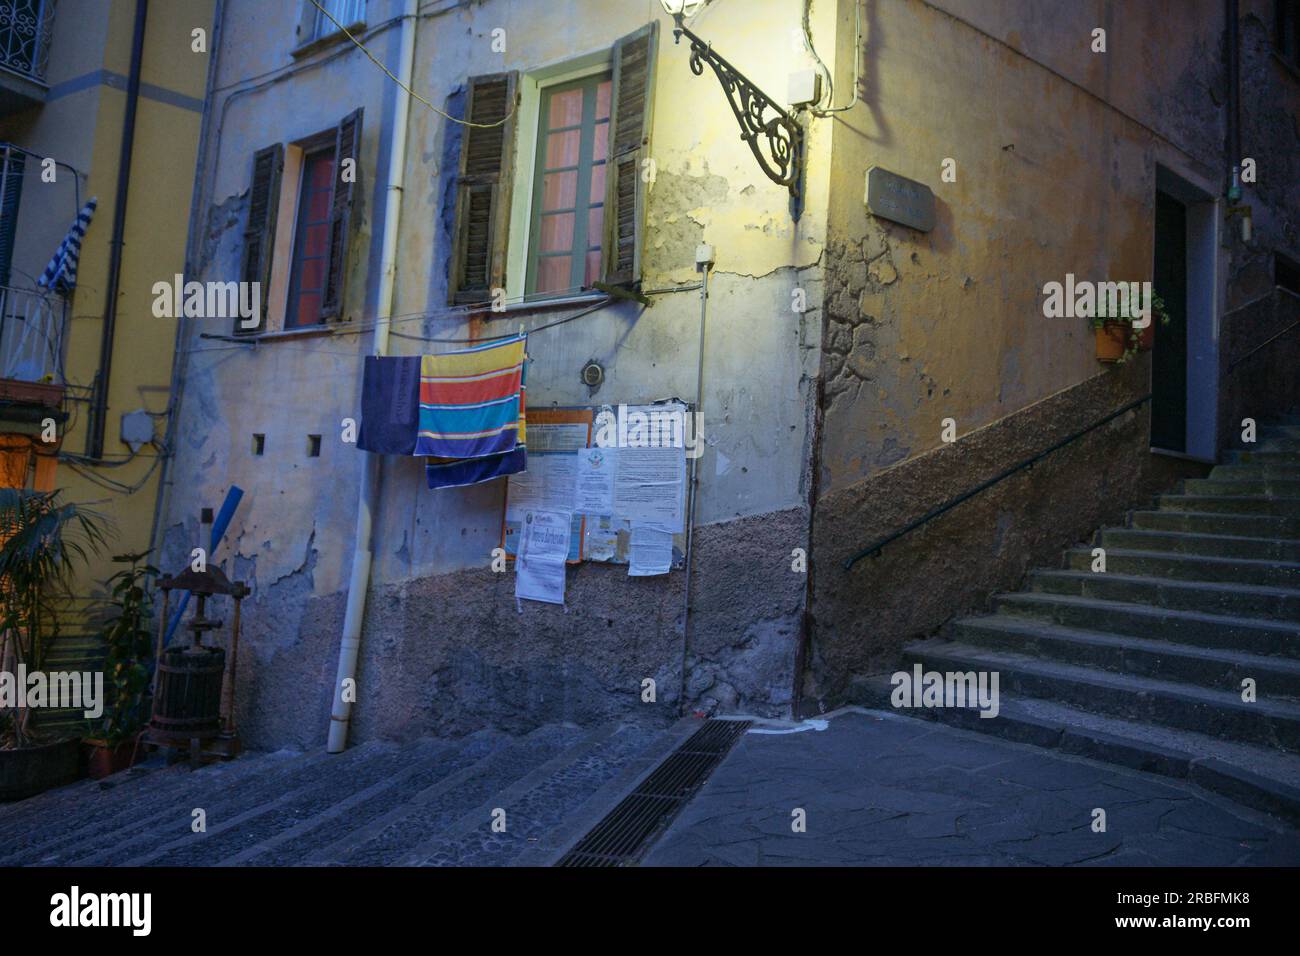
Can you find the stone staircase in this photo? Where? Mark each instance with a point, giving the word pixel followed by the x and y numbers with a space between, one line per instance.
pixel 1142 664
pixel 427 802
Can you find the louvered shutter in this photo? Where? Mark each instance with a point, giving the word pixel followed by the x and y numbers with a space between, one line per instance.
pixel 259 236
pixel 633 96
pixel 478 261
pixel 347 146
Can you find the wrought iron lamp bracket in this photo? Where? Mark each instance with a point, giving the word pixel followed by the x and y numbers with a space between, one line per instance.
pixel 776 140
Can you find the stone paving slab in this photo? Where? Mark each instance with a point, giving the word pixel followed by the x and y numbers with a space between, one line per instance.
pixel 880 789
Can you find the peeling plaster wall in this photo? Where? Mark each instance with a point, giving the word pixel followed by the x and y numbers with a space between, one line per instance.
pixel 1056 151
pixel 444 647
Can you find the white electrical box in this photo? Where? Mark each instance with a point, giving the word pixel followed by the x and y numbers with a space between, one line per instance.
pixel 805 87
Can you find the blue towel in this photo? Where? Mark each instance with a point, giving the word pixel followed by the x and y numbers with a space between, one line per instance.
pixel 454 472
pixel 390 405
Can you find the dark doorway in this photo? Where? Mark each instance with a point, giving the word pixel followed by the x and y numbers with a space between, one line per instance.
pixel 1169 355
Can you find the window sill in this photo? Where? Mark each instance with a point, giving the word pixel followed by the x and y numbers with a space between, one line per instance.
pixel 304 50
pixel 538 305
pixel 306 332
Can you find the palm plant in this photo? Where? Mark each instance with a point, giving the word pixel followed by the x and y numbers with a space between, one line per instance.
pixel 42 539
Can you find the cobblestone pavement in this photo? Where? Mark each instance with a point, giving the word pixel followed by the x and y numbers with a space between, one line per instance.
pixel 881 789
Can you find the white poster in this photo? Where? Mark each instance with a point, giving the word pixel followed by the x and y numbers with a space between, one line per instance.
pixel 650 552
pixel 649 486
pixel 543 548
pixel 593 492
pixel 547 485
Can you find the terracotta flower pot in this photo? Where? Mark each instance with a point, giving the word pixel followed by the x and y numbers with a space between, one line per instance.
pixel 1111 340
pixel 1147 337
pixel 104 759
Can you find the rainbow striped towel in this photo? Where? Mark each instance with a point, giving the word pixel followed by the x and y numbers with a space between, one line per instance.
pixel 456 472
pixel 471 401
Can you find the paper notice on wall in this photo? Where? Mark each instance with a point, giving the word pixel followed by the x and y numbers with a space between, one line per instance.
pixel 602 538
pixel 543 549
pixel 593 492
pixel 651 551
pixel 547 485
pixel 649 486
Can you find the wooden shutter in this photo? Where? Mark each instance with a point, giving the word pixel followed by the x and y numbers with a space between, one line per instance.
pixel 347 145
pixel 259 236
pixel 478 259
pixel 633 101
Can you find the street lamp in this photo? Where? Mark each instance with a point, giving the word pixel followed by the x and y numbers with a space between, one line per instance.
pixel 780 155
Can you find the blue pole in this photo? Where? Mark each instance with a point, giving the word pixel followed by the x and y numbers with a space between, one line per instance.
pixel 219 527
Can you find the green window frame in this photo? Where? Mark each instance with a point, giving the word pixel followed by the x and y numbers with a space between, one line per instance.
pixel 564 226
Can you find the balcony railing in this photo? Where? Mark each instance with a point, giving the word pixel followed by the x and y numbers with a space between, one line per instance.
pixel 25 30
pixel 31 336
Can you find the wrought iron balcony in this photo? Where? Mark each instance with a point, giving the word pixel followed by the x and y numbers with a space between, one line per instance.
pixel 31 343
pixel 25 30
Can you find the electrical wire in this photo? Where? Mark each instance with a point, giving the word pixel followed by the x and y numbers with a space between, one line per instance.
pixel 857 55
pixel 375 60
pixel 108 483
pixel 237 342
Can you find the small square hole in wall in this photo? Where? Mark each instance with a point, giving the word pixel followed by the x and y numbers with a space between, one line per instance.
pixel 259 444
pixel 313 446
pixel 205 516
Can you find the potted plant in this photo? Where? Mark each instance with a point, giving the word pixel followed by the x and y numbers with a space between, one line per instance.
pixel 42 539
pixel 1117 340
pixel 126 668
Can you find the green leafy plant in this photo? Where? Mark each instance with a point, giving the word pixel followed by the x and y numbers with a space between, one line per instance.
pixel 42 539
pixel 1102 317
pixel 130 647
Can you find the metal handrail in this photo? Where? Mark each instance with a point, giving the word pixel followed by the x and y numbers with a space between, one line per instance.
pixel 875 547
pixel 1237 361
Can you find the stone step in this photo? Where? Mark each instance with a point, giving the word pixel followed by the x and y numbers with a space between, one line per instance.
pixel 1256 471
pixel 1191 567
pixel 429 812
pixel 1214 712
pixel 1231 504
pixel 1275 677
pixel 147 830
pixel 1249 526
pixel 1195 628
pixel 1272 487
pixel 1208 545
pixel 1280 604
pixel 35 813
pixel 1274 429
pixel 334 788
pixel 343 820
pixel 111 812
pixel 1261 456
pixel 537 805
pixel 1255 776
pixel 1278 443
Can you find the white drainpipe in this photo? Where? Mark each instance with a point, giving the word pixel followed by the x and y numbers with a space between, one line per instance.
pixel 367 497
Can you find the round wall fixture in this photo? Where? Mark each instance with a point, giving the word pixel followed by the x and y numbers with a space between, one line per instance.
pixel 593 374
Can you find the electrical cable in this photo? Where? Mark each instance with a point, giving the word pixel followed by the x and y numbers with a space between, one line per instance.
pixel 807 39
pixel 857 58
pixel 414 95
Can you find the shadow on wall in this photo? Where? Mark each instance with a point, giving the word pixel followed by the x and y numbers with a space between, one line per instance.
pixel 1260 375
pixel 950 566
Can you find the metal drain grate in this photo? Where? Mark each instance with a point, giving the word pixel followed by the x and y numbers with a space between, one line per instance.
pixel 627 830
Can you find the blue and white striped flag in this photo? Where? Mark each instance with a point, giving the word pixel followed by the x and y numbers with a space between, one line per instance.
pixel 61 274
